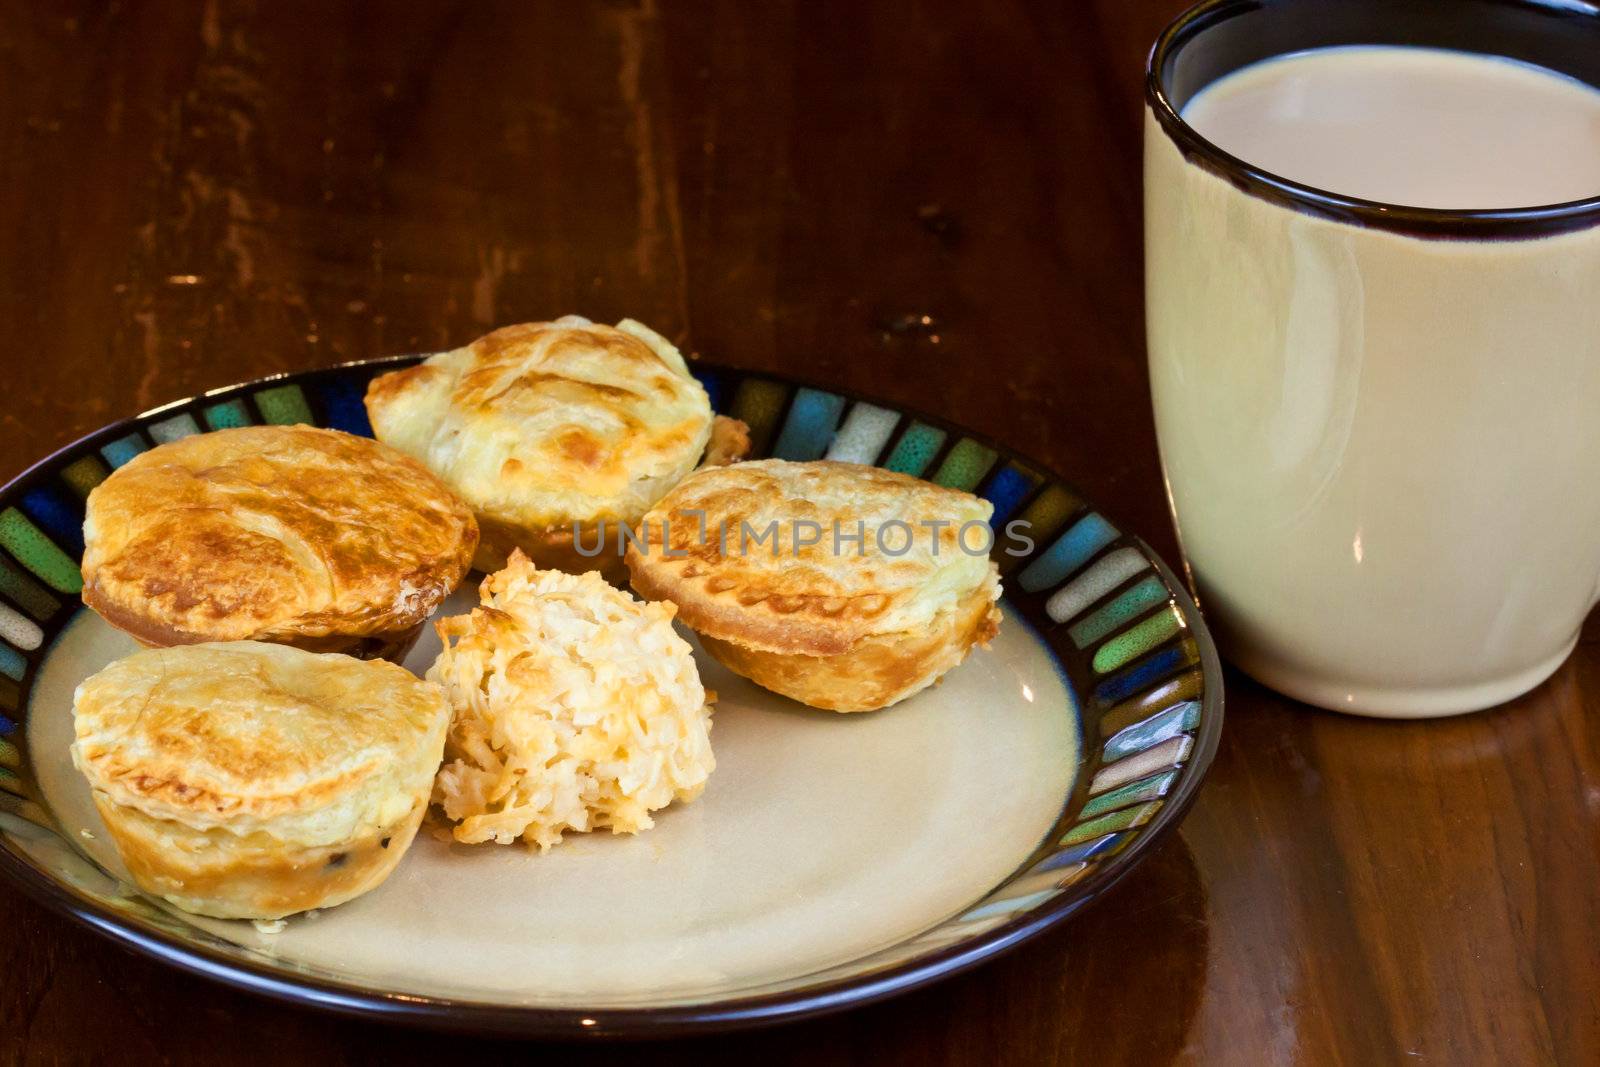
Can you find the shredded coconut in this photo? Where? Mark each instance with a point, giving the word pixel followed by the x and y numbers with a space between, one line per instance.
pixel 575 707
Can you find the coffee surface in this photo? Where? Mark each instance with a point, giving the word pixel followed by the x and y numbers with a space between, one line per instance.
pixel 1418 127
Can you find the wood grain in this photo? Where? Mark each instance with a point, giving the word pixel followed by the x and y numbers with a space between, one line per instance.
pixel 937 203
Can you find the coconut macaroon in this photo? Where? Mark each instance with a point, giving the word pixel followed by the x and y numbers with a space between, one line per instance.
pixel 290 534
pixel 248 780
pixel 576 707
pixel 556 433
pixel 845 587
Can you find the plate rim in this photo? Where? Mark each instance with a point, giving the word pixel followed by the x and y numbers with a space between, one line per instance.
pixel 713 1016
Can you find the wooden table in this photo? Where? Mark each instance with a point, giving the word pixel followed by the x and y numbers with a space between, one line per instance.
pixel 937 203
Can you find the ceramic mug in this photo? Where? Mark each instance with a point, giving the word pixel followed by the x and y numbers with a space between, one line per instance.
pixel 1379 425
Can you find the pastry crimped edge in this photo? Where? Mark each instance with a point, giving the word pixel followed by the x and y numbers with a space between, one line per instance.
pixel 819 656
pixel 876 671
pixel 823 623
pixel 392 645
pixel 265 879
pixel 234 847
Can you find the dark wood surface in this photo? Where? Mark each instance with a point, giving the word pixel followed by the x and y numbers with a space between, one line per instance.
pixel 936 202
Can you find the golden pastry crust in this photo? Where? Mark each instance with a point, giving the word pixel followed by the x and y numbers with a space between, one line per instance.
pixel 579 547
pixel 257 877
pixel 843 586
pixel 818 599
pixel 545 425
pixel 289 534
pixel 252 780
pixel 876 671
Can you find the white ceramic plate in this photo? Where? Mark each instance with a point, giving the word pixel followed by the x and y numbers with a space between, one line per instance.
pixel 832 859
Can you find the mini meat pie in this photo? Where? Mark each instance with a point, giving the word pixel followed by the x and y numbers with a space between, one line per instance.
pixel 575 708
pixel 290 534
pixel 251 781
pixel 556 433
pixel 845 587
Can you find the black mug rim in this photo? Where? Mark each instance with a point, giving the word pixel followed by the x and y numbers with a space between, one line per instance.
pixel 1533 221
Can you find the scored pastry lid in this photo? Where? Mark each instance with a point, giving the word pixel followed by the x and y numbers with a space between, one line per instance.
pixel 891 553
pixel 255 736
pixel 544 423
pixel 272 532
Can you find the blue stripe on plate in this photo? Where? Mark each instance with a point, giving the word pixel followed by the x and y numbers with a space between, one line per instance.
pixel 344 407
pixel 12 665
pixel 123 449
pixel 1072 550
pixel 1121 686
pixel 58 513
pixel 1086 851
pixel 1006 491
pixel 813 416
pixel 715 384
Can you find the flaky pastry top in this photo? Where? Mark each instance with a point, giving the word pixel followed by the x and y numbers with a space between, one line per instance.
pixel 251 737
pixel 737 564
pixel 272 532
pixel 547 423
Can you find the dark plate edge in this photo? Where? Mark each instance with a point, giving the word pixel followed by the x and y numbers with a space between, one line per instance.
pixel 637 1023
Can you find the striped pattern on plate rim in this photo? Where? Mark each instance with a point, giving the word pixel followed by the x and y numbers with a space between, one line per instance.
pixel 1100 587
pixel 41 532
pixel 1099 598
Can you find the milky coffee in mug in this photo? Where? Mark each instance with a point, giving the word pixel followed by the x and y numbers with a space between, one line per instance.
pixel 1373 283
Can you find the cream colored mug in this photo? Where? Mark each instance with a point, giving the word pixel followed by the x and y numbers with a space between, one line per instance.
pixel 1379 426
